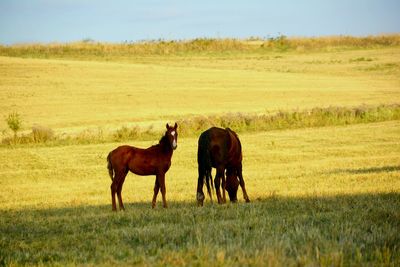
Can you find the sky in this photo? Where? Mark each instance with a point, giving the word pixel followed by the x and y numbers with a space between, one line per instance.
pixel 44 21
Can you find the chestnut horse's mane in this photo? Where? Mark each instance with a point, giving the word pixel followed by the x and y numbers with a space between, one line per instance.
pixel 163 140
pixel 162 143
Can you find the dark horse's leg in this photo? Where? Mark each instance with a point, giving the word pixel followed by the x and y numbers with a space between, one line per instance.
pixel 217 180
pixel 208 178
pixel 223 187
pixel 242 185
pixel 156 189
pixel 119 189
pixel 200 195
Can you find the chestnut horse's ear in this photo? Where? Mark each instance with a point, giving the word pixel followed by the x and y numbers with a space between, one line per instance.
pixel 167 126
pixel 176 126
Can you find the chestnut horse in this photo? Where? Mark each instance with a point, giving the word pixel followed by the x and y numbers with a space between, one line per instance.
pixel 221 149
pixel 154 160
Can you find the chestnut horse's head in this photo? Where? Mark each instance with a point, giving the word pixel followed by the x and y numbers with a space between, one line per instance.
pixel 172 135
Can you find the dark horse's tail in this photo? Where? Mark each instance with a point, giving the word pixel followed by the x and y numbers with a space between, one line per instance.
pixel 109 167
pixel 204 161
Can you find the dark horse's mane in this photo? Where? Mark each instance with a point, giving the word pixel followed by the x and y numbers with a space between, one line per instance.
pixel 237 137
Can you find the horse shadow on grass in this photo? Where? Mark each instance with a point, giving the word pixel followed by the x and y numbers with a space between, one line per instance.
pixel 96 213
pixel 94 234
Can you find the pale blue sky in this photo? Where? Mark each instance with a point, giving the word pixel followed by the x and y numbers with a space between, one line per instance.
pixel 24 21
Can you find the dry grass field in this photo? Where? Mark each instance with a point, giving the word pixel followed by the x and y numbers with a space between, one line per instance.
pixel 324 196
pixel 69 94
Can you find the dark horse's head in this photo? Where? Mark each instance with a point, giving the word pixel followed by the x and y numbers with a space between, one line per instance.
pixel 232 185
pixel 172 135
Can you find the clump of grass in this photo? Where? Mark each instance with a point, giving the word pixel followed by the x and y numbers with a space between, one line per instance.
pixel 360 59
pixel 280 43
pixel 41 134
pixel 14 122
pixel 125 133
pixel 386 67
pixel 135 133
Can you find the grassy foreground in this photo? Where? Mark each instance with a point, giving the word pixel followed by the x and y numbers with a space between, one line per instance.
pixel 327 231
pixel 325 196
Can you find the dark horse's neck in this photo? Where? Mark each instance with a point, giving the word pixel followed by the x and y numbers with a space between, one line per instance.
pixel 165 145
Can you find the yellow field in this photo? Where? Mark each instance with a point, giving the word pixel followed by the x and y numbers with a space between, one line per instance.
pixel 306 162
pixel 68 95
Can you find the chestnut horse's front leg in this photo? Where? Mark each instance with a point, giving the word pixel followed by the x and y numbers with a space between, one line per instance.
pixel 156 189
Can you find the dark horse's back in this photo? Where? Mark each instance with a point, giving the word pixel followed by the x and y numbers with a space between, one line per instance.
pixel 218 146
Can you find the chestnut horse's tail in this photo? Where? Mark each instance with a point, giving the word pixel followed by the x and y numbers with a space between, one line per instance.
pixel 109 167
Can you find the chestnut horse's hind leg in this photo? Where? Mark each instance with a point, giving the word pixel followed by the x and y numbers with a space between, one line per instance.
pixel 119 190
pixel 113 191
pixel 156 189
pixel 116 188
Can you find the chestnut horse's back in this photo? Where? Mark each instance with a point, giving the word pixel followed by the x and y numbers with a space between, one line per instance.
pixel 118 158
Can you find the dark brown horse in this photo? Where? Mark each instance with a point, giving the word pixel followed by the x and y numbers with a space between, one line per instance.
pixel 221 149
pixel 154 160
